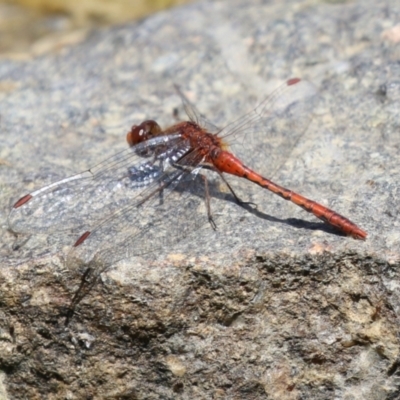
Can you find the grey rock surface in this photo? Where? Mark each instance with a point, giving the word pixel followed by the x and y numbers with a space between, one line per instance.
pixel 272 305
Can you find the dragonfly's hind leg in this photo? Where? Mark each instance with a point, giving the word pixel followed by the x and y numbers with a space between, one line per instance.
pixel 235 196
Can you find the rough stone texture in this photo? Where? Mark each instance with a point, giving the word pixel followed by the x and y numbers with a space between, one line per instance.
pixel 271 306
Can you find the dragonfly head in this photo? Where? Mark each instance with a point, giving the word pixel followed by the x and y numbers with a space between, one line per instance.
pixel 142 132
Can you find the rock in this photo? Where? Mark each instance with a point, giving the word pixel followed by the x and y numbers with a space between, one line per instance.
pixel 271 305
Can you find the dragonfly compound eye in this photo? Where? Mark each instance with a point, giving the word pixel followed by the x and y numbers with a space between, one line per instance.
pixel 142 132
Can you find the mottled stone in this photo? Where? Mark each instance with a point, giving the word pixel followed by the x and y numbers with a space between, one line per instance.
pixel 274 304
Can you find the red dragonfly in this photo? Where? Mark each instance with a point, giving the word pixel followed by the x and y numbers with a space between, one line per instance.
pixel 158 191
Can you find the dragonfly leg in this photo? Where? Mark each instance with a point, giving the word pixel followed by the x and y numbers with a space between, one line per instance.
pixel 235 196
pixel 208 202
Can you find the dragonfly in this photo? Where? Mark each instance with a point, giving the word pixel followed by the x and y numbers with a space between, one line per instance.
pixel 159 190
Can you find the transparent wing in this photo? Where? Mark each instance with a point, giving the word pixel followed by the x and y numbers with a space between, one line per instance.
pixel 264 137
pixel 82 200
pixel 161 215
pixel 142 199
pixel 194 114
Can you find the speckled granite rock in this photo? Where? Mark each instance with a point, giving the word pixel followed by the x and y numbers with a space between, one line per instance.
pixel 273 304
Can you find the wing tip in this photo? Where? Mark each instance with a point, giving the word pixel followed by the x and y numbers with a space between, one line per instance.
pixel 82 238
pixel 293 81
pixel 22 201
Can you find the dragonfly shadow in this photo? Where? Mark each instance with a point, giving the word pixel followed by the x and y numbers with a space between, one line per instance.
pixel 214 188
pixel 294 222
